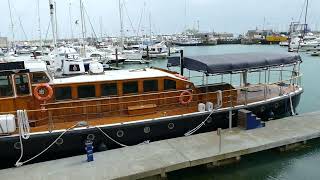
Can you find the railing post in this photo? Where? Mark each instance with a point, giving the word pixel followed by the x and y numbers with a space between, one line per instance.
pixel 117 58
pixel 50 121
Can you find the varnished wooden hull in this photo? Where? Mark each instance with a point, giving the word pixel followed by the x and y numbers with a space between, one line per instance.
pixel 133 133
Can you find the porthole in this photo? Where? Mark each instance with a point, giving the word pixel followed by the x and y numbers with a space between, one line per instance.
pixel 59 141
pixel 209 120
pixel 276 105
pixel 170 126
pixel 262 109
pixel 120 133
pixel 146 129
pixel 91 137
pixel 17 145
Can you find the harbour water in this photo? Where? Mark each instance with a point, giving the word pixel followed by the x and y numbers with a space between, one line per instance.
pixel 269 165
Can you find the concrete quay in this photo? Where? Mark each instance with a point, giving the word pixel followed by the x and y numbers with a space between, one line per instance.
pixel 157 158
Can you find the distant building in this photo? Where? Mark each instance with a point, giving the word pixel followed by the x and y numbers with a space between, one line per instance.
pixel 3 42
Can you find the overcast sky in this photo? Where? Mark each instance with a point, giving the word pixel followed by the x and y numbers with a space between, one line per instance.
pixel 167 16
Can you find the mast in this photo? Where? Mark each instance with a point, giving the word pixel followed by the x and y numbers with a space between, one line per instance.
pixel 150 28
pixel 39 23
pixel 55 17
pixel 305 19
pixel 53 26
pixel 12 26
pixel 100 19
pixel 185 15
pixel 70 19
pixel 121 24
pixel 82 25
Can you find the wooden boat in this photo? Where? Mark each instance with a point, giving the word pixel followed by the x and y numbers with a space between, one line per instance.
pixel 127 107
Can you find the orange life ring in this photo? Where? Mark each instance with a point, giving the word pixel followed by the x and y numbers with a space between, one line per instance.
pixel 181 77
pixel 185 97
pixel 43 92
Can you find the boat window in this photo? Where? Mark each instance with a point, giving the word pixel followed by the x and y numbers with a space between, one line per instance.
pixel 109 89
pixel 62 93
pixel 130 87
pixel 86 91
pixel 169 84
pixel 22 84
pixel 150 85
pixel 5 86
pixel 40 77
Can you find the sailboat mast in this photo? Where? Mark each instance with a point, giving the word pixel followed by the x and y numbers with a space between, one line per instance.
pixel 100 19
pixel 150 28
pixel 82 24
pixel 39 24
pixel 121 24
pixel 55 17
pixel 12 26
pixel 305 18
pixel 53 26
pixel 70 19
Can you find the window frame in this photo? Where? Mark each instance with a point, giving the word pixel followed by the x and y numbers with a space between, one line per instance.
pixel 152 91
pixel 55 89
pixel 114 95
pixel 164 84
pixel 123 83
pixel 32 75
pixel 15 87
pixel 95 92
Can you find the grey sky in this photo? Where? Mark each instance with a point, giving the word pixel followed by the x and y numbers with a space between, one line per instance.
pixel 236 16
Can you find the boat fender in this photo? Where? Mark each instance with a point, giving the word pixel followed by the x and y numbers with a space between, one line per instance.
pixel 209 106
pixel 43 92
pixel 7 124
pixel 201 107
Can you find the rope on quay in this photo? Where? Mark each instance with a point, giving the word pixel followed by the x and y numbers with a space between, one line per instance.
pixel 291 105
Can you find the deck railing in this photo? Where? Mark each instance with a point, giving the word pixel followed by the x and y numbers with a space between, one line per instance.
pixel 86 109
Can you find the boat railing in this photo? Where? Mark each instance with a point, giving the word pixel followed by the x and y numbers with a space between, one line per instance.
pixel 52 113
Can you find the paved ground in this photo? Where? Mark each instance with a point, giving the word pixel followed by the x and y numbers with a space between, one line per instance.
pixel 173 154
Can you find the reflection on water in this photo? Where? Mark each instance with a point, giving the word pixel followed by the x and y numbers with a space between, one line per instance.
pixel 269 165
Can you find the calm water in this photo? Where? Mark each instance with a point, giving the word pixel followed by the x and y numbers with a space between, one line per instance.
pixel 269 165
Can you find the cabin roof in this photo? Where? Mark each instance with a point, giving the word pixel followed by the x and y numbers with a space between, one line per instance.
pixel 226 63
pixel 115 75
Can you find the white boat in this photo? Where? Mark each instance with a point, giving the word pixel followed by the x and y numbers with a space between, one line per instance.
pixel 284 43
pixel 315 53
pixel 159 50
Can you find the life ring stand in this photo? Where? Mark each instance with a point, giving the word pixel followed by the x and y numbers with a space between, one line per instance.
pixel 43 92
pixel 182 98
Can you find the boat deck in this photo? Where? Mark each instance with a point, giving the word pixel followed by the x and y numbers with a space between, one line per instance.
pixel 254 94
pixel 161 157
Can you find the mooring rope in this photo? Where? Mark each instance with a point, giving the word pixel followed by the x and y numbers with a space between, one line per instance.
pixel 18 163
pixel 219 104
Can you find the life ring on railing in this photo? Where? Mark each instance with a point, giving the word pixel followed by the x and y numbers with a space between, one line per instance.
pixel 185 97
pixel 43 92
pixel 180 76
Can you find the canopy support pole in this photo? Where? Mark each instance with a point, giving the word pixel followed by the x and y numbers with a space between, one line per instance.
pixel 181 62
pixel 231 103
